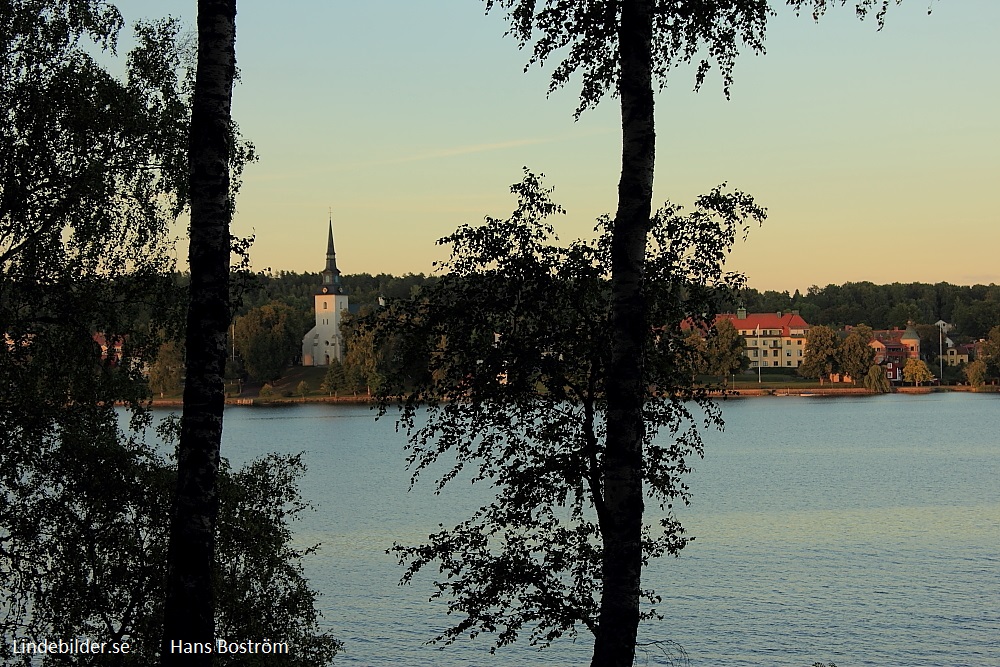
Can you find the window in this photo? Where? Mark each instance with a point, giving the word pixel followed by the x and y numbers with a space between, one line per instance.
pixel 325 304
pixel 788 363
pixel 799 341
pixel 788 353
pixel 800 353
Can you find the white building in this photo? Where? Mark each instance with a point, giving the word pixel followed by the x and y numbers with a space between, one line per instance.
pixel 324 341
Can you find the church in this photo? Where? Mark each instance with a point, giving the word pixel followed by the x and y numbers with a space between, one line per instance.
pixel 324 342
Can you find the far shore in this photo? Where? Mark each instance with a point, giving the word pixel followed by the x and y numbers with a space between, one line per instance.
pixel 739 392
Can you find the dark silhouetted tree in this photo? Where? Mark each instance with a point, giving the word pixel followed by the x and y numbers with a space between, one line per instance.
pixel 517 335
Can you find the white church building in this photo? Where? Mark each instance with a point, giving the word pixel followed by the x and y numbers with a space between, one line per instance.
pixel 324 342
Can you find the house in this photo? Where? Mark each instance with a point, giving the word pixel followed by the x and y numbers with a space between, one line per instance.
pixel 893 347
pixel 960 354
pixel 111 350
pixel 772 339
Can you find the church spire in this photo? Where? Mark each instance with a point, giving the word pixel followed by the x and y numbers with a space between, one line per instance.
pixel 331 274
pixel 331 254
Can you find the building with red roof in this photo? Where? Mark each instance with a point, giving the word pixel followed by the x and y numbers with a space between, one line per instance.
pixel 772 339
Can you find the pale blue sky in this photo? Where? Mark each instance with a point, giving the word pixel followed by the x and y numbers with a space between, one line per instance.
pixel 876 153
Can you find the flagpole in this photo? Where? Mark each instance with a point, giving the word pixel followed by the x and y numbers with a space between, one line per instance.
pixel 758 354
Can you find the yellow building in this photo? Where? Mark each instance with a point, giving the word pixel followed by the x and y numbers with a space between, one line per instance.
pixel 772 339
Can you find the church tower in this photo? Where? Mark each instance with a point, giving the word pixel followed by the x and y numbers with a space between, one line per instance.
pixel 324 342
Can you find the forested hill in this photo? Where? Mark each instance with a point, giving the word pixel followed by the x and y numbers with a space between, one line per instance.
pixel 974 309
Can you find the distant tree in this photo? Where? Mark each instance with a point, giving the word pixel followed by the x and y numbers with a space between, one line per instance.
pixel 267 339
pixel 302 389
pixel 517 336
pixel 694 354
pixel 335 379
pixel 916 371
pixel 362 361
pixel 902 314
pixel 865 332
pixel 821 353
pixel 990 351
pixel 975 373
pixel 931 341
pixel 166 372
pixel 724 351
pixel 977 317
pixel 876 380
pixel 854 356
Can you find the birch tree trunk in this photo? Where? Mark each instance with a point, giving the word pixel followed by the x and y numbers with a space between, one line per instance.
pixel 189 614
pixel 621 527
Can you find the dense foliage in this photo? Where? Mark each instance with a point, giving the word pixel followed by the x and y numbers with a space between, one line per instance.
pixel 84 556
pixel 93 171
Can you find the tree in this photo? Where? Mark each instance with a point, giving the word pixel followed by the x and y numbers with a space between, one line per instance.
pixel 518 338
pixel 694 354
pixel 189 610
pixel 92 538
pixel 166 373
pixel 876 380
pixel 621 47
pixel 821 353
pixel 990 351
pixel 361 360
pixel 91 166
pixel 902 314
pixel 302 389
pixel 724 351
pixel 916 371
pixel 267 338
pixel 89 181
pixel 975 373
pixel 335 379
pixel 854 355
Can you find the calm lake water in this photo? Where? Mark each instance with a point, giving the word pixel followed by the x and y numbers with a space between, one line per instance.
pixel 860 531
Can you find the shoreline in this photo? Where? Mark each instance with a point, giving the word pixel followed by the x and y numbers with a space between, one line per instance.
pixel 748 392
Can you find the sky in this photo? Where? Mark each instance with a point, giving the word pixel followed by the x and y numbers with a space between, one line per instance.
pixel 876 153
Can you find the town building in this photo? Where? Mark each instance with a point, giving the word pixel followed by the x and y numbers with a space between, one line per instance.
pixel 772 339
pixel 956 355
pixel 325 342
pixel 111 350
pixel 893 347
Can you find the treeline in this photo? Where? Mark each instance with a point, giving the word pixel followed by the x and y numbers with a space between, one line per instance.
pixel 297 289
pixel 274 312
pixel 973 309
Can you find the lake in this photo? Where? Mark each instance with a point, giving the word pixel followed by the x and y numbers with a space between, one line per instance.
pixel 854 530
